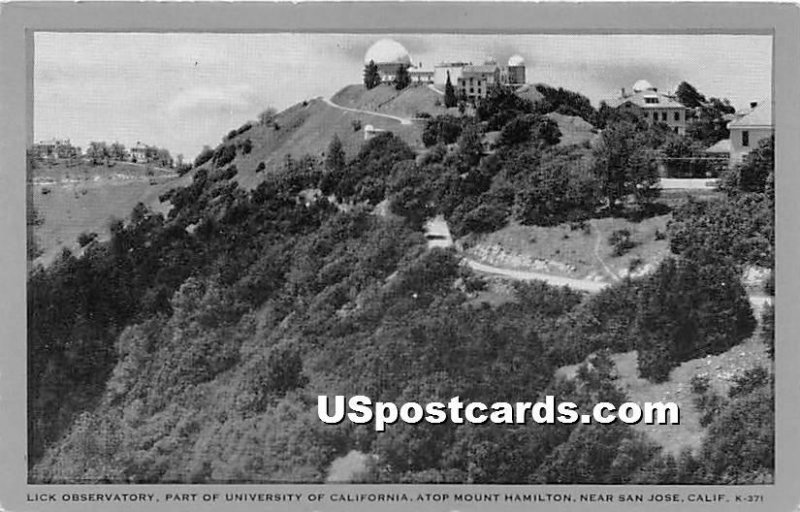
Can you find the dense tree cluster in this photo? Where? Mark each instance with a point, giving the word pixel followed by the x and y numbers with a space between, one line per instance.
pixel 740 225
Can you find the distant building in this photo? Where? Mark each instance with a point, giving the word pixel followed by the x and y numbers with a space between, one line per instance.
pixel 389 56
pixel 420 75
pixel 470 81
pixel 750 128
pixel 653 106
pixel 54 149
pixel 475 81
pixel 139 153
pixel 370 132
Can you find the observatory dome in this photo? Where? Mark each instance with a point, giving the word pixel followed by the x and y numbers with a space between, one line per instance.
pixel 642 85
pixel 387 51
pixel 516 60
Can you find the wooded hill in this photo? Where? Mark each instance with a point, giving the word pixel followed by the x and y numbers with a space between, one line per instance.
pixel 191 347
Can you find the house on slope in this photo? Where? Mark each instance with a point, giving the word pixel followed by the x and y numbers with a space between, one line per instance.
pixel 653 106
pixel 748 130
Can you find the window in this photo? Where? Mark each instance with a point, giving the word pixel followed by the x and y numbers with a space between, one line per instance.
pixel 663 116
pixel 651 100
pixel 677 116
pixel 471 90
pixel 745 138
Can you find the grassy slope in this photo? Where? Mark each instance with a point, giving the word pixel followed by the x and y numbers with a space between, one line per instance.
pixel 308 129
pixel 720 369
pixel 83 198
pixel 575 248
pixel 388 100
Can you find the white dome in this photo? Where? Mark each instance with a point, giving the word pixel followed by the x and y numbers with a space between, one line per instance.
pixel 642 85
pixel 387 51
pixel 516 60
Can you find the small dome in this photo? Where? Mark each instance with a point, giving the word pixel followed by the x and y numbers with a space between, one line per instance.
pixel 387 51
pixel 642 85
pixel 516 60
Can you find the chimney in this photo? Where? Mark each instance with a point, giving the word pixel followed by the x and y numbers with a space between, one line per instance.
pixel 753 104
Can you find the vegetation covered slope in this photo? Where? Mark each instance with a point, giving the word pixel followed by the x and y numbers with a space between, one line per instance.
pixel 191 347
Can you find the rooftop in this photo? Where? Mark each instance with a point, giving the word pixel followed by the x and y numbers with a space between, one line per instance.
pixel 759 117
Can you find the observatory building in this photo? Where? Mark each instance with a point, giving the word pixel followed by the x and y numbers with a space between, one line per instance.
pixel 389 56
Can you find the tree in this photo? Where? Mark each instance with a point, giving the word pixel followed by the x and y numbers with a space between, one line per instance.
pixel 117 151
pixel 711 122
pixel 97 152
pixel 689 96
pixel 402 79
pixel 753 174
pixel 372 77
pixel 690 309
pixel 335 157
pixel 267 116
pixel 624 165
pixel 450 99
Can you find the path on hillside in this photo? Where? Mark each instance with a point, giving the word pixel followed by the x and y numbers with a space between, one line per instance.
pixel 438 234
pixel 597 243
pixel 434 89
pixel 401 120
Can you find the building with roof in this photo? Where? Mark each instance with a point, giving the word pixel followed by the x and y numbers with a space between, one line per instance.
pixel 475 81
pixel 389 56
pixel 138 153
pixel 54 149
pixel 749 129
pixel 421 75
pixel 655 107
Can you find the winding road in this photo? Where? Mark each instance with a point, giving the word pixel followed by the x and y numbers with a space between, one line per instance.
pixel 401 120
pixel 438 234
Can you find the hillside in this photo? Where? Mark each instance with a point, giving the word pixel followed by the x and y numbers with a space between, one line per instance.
pixel 388 100
pixel 83 198
pixel 307 129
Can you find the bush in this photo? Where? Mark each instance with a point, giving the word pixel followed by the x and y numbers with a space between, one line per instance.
pixel 205 155
pixel 621 241
pixel 261 167
pixel 224 155
pixel 356 124
pixel 85 238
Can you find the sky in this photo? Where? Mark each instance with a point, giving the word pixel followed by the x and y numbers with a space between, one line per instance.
pixel 184 90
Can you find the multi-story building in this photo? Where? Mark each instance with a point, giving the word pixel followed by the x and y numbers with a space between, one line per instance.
pixel 653 106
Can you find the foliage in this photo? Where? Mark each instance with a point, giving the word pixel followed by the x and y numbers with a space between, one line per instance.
pixel 450 99
pixel 689 96
pixel 710 123
pixel 501 105
pixel 756 172
pixel 372 78
pixel 624 166
pixel 402 79
pixel 205 155
pixel 621 241
pixel 689 310
pixel 565 102
pixel 442 129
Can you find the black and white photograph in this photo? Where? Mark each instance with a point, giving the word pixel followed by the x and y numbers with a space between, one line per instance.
pixel 401 259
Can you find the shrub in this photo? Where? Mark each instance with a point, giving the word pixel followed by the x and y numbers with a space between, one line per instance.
pixel 224 155
pixel 261 167
pixel 85 238
pixel 621 241
pixel 356 124
pixel 205 155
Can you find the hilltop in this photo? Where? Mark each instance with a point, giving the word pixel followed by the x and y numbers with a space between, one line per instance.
pixel 307 129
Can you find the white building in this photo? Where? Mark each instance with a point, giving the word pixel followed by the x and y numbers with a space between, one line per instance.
pixel 748 130
pixel 653 106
